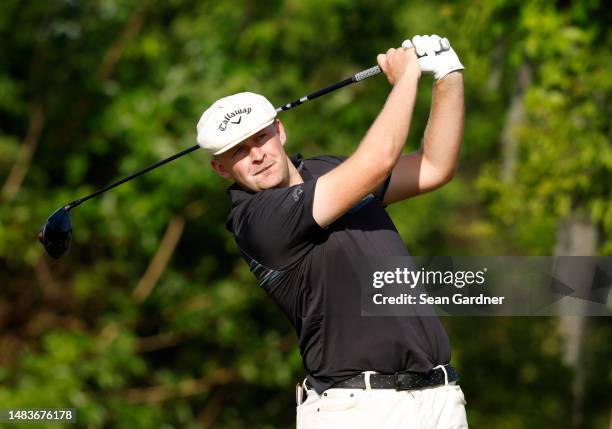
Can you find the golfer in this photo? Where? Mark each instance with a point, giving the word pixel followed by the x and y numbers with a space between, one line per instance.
pixel 303 225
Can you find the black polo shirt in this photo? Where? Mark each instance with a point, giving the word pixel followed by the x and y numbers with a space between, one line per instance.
pixel 312 274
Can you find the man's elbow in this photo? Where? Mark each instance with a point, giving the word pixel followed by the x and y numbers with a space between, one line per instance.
pixel 451 173
pixel 442 178
pixel 448 177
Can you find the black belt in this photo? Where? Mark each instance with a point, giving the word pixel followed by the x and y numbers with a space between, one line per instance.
pixel 404 380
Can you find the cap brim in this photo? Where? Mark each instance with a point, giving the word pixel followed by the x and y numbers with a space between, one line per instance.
pixel 241 138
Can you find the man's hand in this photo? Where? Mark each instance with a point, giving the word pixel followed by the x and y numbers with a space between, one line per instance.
pixel 398 63
pixel 437 57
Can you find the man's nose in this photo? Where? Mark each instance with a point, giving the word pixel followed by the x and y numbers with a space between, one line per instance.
pixel 257 154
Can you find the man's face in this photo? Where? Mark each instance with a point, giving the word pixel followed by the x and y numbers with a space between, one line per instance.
pixel 258 162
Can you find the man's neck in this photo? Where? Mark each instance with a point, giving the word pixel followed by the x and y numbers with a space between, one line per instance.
pixel 294 175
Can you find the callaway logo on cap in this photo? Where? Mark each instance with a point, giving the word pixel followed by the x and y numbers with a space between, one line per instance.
pixel 232 119
pixel 228 118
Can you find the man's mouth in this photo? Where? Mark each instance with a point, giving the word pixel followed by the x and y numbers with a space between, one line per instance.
pixel 261 170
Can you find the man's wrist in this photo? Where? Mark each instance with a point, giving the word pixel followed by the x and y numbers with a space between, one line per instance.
pixel 452 78
pixel 409 76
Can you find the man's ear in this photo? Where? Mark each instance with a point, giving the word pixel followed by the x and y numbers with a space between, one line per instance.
pixel 220 169
pixel 280 130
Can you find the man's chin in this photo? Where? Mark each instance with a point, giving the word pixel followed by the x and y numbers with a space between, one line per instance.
pixel 264 186
pixel 269 183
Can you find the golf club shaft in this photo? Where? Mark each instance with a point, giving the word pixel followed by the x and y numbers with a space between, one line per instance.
pixel 373 71
pixel 132 176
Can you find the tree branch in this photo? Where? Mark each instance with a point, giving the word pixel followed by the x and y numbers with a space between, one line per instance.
pixel 208 416
pixel 160 341
pixel 106 68
pixel 113 54
pixel 20 168
pixel 160 260
pixel 183 389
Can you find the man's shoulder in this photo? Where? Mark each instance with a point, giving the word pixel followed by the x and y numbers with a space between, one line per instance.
pixel 321 164
pixel 333 159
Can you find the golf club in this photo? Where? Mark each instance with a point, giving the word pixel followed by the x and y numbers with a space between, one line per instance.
pixel 56 234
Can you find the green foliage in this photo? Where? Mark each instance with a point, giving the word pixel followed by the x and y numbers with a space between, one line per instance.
pixel 564 162
pixel 91 91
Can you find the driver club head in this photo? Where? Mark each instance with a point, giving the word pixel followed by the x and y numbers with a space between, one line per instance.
pixel 56 234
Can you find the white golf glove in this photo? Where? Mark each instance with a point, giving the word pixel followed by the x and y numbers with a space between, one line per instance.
pixel 436 55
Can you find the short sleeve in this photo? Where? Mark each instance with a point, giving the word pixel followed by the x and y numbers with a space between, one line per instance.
pixel 275 227
pixel 379 192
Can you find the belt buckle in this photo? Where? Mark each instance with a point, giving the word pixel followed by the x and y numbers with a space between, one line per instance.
pixel 410 381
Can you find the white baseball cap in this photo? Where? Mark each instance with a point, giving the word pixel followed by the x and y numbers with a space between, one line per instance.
pixel 232 119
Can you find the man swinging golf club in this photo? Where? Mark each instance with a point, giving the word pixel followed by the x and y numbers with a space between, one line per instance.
pixel 303 225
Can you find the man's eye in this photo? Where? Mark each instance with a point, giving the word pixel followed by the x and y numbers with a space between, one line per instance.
pixel 238 151
pixel 261 137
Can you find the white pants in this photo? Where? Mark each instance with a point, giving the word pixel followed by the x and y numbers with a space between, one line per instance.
pixel 440 407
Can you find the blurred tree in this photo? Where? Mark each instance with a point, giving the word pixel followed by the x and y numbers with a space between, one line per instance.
pixel 152 319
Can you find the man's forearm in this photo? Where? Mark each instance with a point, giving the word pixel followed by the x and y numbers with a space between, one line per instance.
pixel 444 131
pixel 386 137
